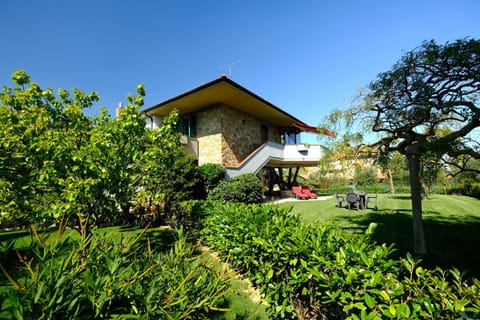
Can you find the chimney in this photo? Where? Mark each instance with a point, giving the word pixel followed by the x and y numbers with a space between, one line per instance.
pixel 118 110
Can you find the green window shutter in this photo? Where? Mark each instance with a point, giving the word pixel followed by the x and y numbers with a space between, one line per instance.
pixel 192 126
pixel 179 127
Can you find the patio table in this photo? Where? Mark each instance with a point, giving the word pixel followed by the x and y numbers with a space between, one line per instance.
pixel 353 200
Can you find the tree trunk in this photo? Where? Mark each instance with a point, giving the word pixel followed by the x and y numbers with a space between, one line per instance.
pixel 390 179
pixel 416 191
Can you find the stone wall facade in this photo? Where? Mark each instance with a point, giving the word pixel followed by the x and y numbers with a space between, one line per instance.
pixel 209 136
pixel 227 136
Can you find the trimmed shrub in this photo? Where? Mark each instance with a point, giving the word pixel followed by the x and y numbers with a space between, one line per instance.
pixel 245 188
pixel 313 271
pixel 211 174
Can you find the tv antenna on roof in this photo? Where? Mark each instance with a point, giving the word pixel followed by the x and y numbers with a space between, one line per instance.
pixel 229 66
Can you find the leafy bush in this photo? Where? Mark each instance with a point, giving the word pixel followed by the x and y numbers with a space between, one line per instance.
pixel 190 216
pixel 475 191
pixel 366 176
pixel 464 188
pixel 314 271
pixel 98 277
pixel 245 188
pixel 333 181
pixel 211 174
pixel 469 189
pixel 374 188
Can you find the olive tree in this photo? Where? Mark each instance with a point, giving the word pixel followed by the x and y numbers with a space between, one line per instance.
pixel 431 87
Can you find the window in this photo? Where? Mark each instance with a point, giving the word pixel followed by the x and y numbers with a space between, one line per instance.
pixel 187 125
pixel 290 138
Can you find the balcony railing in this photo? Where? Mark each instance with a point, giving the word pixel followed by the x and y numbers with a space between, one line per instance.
pixel 278 155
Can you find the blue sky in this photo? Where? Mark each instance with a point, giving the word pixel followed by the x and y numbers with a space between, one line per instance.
pixel 306 57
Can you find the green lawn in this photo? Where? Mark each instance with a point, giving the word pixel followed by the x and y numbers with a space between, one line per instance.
pixel 452 225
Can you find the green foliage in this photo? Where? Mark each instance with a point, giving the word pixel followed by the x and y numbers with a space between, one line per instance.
pixel 56 161
pixel 116 147
pixel 366 176
pixel 466 188
pixel 427 105
pixel 475 190
pixel 190 216
pixel 365 180
pixel 330 181
pixel 178 182
pixel 398 168
pixel 211 174
pixel 41 158
pixel 99 276
pixel 168 174
pixel 315 271
pixel 245 188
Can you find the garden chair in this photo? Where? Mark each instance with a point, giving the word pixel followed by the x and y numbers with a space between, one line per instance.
pixel 310 194
pixel 297 191
pixel 340 200
pixel 353 200
pixel 372 200
pixel 362 198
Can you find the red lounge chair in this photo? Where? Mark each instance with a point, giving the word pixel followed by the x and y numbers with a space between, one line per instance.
pixel 297 191
pixel 310 194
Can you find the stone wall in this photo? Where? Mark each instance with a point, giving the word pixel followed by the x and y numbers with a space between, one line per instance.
pixel 209 136
pixel 227 136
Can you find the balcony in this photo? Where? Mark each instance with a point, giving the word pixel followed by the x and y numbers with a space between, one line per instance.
pixel 278 155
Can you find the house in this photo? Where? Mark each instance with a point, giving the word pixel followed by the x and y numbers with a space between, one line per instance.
pixel 346 164
pixel 223 122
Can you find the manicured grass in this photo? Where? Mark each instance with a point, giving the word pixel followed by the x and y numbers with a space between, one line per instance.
pixel 452 226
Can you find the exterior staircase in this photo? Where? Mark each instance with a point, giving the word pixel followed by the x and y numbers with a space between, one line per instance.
pixel 278 155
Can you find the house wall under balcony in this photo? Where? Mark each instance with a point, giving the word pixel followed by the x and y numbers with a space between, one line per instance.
pixel 227 136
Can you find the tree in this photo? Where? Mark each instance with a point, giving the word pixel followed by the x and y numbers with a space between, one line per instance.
pixel 56 162
pixel 394 167
pixel 431 87
pixel 348 153
pixel 115 150
pixel 168 172
pixel 41 135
